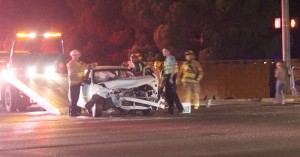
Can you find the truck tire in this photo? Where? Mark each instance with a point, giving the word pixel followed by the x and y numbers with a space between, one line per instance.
pixel 10 96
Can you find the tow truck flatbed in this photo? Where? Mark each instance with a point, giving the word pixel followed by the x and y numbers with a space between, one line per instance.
pixel 51 93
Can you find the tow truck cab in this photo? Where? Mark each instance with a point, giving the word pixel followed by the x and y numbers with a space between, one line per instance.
pixel 30 55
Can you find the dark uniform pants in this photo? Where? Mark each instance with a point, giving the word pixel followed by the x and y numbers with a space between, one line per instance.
pixel 171 94
pixel 74 96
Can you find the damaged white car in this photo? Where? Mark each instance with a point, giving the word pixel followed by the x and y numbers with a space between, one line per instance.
pixel 107 87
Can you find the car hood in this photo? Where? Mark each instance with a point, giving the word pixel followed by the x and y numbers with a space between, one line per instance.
pixel 128 83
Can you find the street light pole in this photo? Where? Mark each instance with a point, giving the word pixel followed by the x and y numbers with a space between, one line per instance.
pixel 286 54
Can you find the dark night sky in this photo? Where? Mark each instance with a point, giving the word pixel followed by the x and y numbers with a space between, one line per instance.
pixel 294 8
pixel 294 13
pixel 295 33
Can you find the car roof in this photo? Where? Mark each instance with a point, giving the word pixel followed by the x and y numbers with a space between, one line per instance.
pixel 110 67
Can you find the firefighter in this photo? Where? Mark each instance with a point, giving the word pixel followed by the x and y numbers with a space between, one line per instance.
pixel 158 66
pixel 159 72
pixel 76 70
pixel 138 66
pixel 190 74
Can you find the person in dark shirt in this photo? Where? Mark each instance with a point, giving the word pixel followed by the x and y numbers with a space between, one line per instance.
pixel 138 65
pixel 281 81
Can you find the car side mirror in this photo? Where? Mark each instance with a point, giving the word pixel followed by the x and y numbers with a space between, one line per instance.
pixel 87 81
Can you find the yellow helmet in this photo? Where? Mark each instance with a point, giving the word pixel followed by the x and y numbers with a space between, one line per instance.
pixel 189 52
pixel 158 64
pixel 137 55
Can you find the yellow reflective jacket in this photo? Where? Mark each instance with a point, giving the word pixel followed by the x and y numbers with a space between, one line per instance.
pixel 191 71
pixel 76 71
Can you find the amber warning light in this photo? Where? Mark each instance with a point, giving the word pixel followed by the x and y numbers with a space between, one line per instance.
pixel 48 35
pixel 26 35
pixel 34 35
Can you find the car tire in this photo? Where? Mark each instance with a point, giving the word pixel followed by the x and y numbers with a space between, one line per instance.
pixel 97 110
pixel 149 112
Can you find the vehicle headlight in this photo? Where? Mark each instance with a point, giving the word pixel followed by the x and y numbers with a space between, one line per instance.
pixel 31 71
pixel 50 70
pixel 7 73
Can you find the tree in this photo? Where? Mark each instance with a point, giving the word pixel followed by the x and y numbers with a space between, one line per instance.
pixel 102 30
pixel 107 31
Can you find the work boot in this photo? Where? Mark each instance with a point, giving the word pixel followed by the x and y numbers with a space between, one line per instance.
pixel 89 111
pixel 208 103
pixel 110 110
pixel 169 113
pixel 180 110
pixel 73 112
pixel 196 107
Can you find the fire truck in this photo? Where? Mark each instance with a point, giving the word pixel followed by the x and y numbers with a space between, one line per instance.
pixel 33 72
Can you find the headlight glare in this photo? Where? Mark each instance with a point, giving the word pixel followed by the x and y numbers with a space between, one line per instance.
pixel 50 70
pixel 31 71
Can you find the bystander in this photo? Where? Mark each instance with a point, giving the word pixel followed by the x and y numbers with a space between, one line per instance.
pixel 281 81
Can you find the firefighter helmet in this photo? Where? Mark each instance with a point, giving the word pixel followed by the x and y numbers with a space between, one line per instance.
pixel 75 53
pixel 158 64
pixel 138 55
pixel 189 52
pixel 133 56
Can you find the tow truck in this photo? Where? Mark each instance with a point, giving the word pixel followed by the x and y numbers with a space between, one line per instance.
pixel 33 72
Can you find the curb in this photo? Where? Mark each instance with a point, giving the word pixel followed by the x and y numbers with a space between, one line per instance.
pixel 244 101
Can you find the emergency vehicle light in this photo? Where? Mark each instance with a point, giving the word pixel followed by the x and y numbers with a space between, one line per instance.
pixel 24 35
pixel 31 71
pixel 34 35
pixel 48 35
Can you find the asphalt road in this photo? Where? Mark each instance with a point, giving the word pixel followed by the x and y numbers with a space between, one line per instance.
pixel 241 129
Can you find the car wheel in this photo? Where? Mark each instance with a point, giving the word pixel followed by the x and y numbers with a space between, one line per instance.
pixel 97 110
pixel 10 99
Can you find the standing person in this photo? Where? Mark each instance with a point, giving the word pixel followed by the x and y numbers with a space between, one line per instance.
pixel 75 77
pixel 159 72
pixel 281 81
pixel 190 75
pixel 170 71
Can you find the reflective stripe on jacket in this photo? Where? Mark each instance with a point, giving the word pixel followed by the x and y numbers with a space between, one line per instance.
pixel 76 72
pixel 170 65
pixel 191 72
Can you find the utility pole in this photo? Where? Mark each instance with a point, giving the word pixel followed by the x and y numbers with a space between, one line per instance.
pixel 286 51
